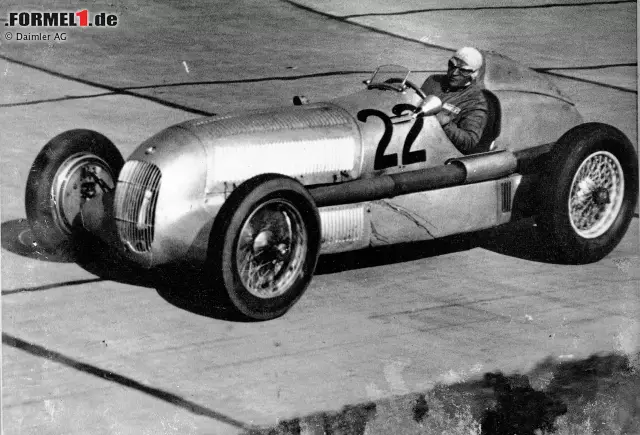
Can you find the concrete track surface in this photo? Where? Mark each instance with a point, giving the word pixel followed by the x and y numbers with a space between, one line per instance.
pixel 96 348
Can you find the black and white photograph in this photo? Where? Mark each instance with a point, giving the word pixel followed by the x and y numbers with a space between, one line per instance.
pixel 319 217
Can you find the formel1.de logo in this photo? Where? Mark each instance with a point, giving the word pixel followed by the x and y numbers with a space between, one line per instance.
pixel 81 18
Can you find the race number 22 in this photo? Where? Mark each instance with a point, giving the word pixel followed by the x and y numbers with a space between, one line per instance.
pixel 382 160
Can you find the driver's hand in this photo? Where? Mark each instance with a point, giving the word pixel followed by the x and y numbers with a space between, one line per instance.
pixel 418 111
pixel 443 117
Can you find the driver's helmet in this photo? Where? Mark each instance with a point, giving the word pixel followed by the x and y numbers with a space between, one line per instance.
pixel 470 56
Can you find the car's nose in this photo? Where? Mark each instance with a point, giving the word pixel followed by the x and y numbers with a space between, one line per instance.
pixel 159 185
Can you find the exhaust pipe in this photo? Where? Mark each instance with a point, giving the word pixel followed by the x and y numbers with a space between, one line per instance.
pixel 455 172
pixel 388 186
pixel 486 166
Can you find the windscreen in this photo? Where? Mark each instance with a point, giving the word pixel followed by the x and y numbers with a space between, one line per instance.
pixel 389 74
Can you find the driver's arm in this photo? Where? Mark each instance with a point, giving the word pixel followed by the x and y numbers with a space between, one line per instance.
pixel 465 130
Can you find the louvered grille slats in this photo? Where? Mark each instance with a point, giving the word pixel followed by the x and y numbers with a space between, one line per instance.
pixel 135 204
pixel 506 196
pixel 342 224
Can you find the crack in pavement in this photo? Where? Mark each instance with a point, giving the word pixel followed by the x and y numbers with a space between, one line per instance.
pixel 364 26
pixel 481 8
pixel 125 381
pixel 50 286
pixel 115 90
pixel 126 89
pixel 593 82
pixel 267 79
pixel 542 70
pixel 55 100
pixel 409 215
pixel 251 80
pixel 587 67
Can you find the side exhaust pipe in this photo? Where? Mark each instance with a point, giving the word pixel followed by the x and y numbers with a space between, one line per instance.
pixel 486 166
pixel 458 171
pixel 388 186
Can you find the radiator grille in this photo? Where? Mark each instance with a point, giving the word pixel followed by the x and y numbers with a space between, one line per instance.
pixel 505 193
pixel 342 224
pixel 135 204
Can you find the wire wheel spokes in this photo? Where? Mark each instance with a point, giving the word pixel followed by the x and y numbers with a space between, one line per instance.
pixel 596 195
pixel 271 248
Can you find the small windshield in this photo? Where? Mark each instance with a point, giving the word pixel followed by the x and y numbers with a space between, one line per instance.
pixel 395 75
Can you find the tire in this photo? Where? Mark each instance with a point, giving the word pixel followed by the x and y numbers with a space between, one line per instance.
pixel 589 193
pixel 269 224
pixel 53 194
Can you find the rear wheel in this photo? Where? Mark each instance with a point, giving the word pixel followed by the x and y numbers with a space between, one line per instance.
pixel 589 192
pixel 264 246
pixel 68 171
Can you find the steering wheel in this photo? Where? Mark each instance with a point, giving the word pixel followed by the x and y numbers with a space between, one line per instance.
pixel 409 84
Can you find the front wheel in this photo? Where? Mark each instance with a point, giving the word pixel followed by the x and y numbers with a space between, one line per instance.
pixel 71 168
pixel 589 192
pixel 264 246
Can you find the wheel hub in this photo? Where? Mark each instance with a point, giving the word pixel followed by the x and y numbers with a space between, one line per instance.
pixel 262 240
pixel 601 196
pixel 75 182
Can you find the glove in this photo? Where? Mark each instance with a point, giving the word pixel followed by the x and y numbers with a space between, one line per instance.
pixel 443 117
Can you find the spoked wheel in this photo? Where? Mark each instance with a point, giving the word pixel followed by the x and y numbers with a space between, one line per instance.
pixel 71 169
pixel 271 249
pixel 596 194
pixel 264 246
pixel 589 192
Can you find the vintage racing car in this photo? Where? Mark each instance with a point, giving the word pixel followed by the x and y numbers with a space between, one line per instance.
pixel 255 197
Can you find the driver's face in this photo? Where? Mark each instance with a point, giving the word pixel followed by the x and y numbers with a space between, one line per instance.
pixel 459 73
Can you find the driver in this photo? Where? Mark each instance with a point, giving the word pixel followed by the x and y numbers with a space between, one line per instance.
pixel 464 110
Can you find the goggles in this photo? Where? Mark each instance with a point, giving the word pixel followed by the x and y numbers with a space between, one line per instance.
pixel 463 71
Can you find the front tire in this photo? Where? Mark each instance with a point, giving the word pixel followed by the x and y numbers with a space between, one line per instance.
pixel 60 179
pixel 589 192
pixel 264 246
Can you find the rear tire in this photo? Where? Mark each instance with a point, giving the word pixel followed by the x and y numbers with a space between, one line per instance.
pixel 53 196
pixel 589 192
pixel 264 246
